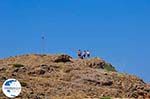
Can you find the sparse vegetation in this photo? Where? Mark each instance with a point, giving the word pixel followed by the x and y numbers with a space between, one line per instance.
pixel 109 67
pixel 23 84
pixel 18 65
pixel 42 77
pixel 105 98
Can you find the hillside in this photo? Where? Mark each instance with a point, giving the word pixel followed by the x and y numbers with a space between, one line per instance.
pixel 62 77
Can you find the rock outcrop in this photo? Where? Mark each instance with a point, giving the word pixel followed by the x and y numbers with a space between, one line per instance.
pixel 62 77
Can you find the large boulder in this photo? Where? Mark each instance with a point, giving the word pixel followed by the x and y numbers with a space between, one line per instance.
pixel 95 63
pixel 63 58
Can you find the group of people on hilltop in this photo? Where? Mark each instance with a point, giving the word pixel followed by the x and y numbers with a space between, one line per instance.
pixel 83 54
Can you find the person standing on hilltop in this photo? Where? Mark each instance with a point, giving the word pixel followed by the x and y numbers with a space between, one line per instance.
pixel 84 54
pixel 79 54
pixel 88 53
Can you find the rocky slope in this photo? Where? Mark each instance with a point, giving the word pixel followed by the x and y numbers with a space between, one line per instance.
pixel 61 77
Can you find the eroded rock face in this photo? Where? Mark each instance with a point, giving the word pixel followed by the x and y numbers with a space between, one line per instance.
pixel 61 77
pixel 63 58
pixel 96 63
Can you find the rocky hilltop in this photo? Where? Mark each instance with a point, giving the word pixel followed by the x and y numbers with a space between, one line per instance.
pixel 62 77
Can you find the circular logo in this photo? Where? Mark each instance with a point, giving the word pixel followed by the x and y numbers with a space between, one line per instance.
pixel 11 88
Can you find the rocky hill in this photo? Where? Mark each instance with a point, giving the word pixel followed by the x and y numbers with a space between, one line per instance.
pixel 62 77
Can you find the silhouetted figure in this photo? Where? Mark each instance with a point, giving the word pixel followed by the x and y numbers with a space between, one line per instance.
pixel 88 53
pixel 79 54
pixel 84 54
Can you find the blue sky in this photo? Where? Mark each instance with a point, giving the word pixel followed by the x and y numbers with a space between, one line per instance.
pixel 115 30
